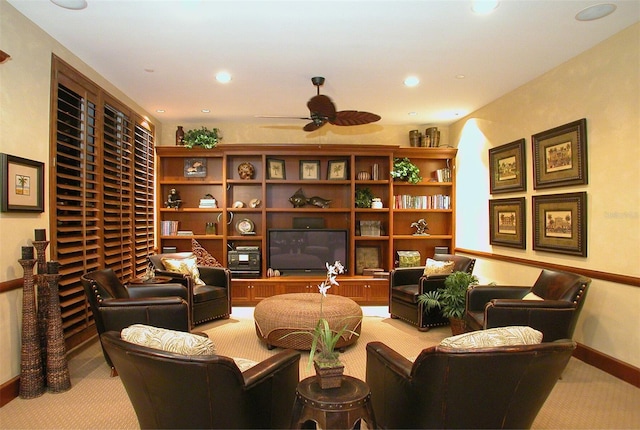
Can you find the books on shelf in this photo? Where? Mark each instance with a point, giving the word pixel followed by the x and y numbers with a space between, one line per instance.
pixel 208 203
pixel 442 175
pixel 438 201
pixel 185 233
pixel 169 228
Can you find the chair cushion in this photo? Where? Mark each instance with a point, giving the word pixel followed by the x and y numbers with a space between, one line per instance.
pixel 406 293
pixel 178 342
pixel 186 266
pixel 433 267
pixel 204 293
pixel 202 255
pixel 499 336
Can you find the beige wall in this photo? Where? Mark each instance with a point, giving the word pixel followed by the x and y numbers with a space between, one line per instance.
pixel 603 86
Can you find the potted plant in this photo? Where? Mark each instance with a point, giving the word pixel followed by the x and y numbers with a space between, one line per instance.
pixel 451 299
pixel 364 197
pixel 201 137
pixel 405 170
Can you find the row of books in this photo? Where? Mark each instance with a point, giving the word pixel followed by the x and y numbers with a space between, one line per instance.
pixel 438 201
pixel 208 203
pixel 442 175
pixel 170 228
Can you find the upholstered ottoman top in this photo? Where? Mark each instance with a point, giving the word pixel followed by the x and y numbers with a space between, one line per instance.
pixel 278 317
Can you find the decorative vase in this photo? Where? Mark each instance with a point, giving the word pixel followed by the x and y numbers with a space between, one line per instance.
pixel 458 326
pixel 329 377
pixel 179 136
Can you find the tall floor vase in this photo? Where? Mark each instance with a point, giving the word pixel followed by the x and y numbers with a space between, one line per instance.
pixel 57 369
pixel 43 298
pixel 31 370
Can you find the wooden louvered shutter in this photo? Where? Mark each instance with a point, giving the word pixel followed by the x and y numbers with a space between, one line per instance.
pixel 143 193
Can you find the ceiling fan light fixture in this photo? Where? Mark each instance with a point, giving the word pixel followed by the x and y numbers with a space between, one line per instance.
pixel 71 4
pixel 596 11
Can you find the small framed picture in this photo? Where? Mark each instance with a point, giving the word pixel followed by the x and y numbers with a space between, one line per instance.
pixel 309 169
pixel 507 222
pixel 560 156
pixel 367 257
pixel 507 168
pixel 22 184
pixel 337 169
pixel 195 167
pixel 560 223
pixel 276 169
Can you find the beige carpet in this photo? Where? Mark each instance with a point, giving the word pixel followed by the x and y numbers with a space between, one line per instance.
pixel 585 398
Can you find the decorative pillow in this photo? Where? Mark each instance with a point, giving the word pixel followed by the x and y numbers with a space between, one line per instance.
pixel 164 339
pixel 186 266
pixel 434 267
pixel 532 296
pixel 499 336
pixel 202 255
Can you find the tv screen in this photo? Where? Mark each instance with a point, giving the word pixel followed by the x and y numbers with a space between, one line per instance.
pixel 300 251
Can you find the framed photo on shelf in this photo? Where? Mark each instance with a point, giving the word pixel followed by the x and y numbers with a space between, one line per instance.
pixel 560 223
pixel 276 169
pixel 22 184
pixel 560 156
pixel 309 169
pixel 507 222
pixel 507 168
pixel 367 257
pixel 195 167
pixel 337 169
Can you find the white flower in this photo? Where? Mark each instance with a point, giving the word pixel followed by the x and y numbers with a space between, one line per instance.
pixel 323 289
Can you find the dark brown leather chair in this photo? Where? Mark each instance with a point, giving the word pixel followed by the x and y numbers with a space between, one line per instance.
pixel 555 316
pixel 406 284
pixel 169 390
pixel 499 387
pixel 207 302
pixel 116 306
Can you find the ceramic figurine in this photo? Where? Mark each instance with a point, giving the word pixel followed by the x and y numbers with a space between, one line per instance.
pixel 319 201
pixel 298 200
pixel 421 227
pixel 173 200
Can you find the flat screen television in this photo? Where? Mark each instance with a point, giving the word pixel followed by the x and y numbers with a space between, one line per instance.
pixel 305 251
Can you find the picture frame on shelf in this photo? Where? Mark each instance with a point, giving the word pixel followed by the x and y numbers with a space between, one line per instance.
pixel 337 169
pixel 560 223
pixel 507 168
pixel 23 184
pixel 195 167
pixel 276 169
pixel 560 156
pixel 309 169
pixel 367 257
pixel 507 222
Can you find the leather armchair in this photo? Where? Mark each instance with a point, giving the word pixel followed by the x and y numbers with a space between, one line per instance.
pixel 555 316
pixel 498 387
pixel 169 390
pixel 116 306
pixel 206 302
pixel 406 284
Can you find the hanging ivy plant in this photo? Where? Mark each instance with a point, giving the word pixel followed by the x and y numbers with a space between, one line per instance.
pixel 405 170
pixel 201 137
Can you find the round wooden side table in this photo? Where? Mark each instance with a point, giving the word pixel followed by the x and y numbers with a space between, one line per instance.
pixel 335 408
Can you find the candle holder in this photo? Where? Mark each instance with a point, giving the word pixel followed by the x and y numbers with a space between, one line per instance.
pixel 43 296
pixel 31 370
pixel 57 369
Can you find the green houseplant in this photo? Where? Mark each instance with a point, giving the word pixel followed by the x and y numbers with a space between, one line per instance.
pixel 364 196
pixel 451 298
pixel 405 170
pixel 201 137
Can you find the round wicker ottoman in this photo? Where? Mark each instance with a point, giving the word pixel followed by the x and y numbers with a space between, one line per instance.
pixel 280 315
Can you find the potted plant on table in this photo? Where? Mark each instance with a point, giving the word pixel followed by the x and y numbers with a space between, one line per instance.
pixel 451 299
pixel 203 137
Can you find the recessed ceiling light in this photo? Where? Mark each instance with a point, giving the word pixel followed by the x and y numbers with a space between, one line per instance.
pixel 413 113
pixel 484 7
pixel 411 81
pixel 205 110
pixel 596 11
pixel 160 110
pixel 71 4
pixel 223 77
pixel 460 76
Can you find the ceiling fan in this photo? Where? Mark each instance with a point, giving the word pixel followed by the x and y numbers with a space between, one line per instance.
pixel 322 110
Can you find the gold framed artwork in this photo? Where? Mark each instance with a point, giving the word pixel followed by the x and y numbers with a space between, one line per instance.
pixel 560 223
pixel 507 168
pixel 560 156
pixel 507 222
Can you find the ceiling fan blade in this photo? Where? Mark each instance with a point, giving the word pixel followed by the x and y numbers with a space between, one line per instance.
pixel 322 106
pixel 314 125
pixel 353 117
pixel 282 116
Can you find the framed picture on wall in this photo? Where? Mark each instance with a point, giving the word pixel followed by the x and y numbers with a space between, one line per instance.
pixel 22 184
pixel 276 169
pixel 337 169
pixel 560 223
pixel 195 167
pixel 507 168
pixel 560 156
pixel 507 222
pixel 309 169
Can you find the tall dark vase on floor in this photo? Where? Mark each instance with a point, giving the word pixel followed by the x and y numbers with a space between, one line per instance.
pixel 41 245
pixel 58 379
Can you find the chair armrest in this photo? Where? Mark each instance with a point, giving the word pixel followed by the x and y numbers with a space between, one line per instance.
pixel 165 312
pixel 216 276
pixel 532 304
pixel 142 301
pixel 175 276
pixel 265 369
pixel 431 283
pixel 405 276
pixel 389 359
pixel 479 295
pixel 157 290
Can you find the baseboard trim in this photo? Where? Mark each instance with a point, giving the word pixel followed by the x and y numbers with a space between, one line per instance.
pixel 608 364
pixel 9 390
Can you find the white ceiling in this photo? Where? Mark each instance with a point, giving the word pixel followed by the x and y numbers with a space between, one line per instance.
pixel 364 49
